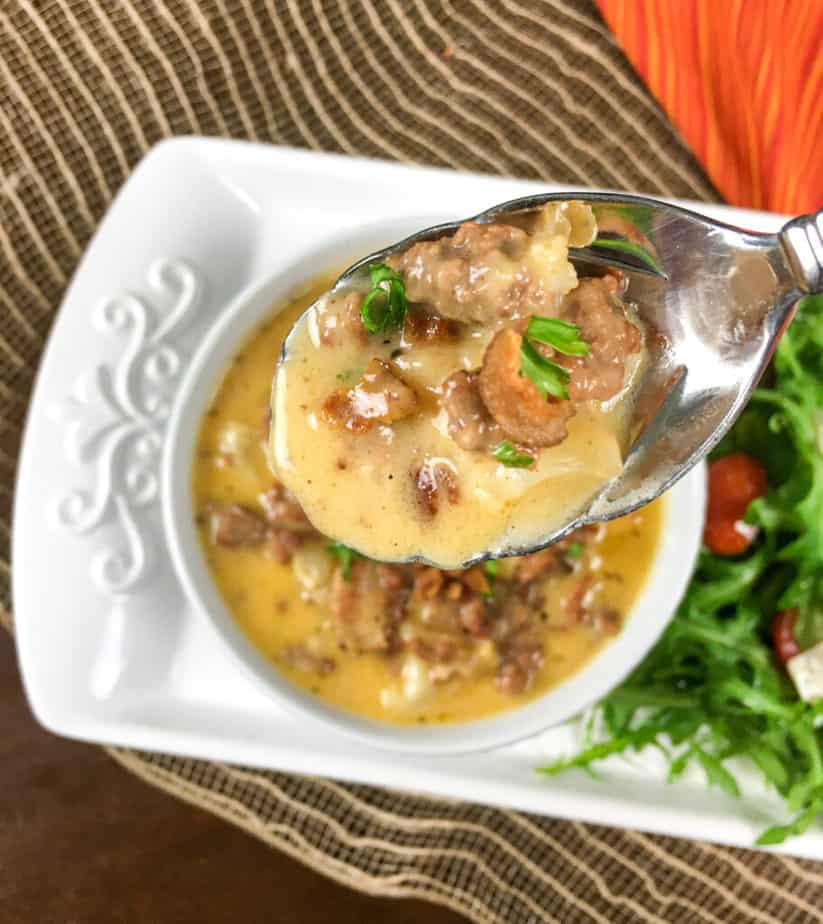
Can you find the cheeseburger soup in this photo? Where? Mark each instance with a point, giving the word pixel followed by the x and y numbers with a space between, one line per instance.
pixel 410 643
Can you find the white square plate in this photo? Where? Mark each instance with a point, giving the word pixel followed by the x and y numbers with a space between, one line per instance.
pixel 111 650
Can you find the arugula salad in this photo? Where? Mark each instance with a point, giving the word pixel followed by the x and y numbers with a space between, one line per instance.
pixel 739 671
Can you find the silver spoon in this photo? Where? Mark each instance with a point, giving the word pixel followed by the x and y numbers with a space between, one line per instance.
pixel 715 300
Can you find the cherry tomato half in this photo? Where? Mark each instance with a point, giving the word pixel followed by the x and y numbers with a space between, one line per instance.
pixel 726 536
pixel 734 482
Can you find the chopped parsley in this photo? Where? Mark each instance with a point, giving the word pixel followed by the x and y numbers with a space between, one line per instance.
pixel 574 551
pixel 384 307
pixel 491 568
pixel 345 556
pixel 630 248
pixel 550 378
pixel 560 335
pixel 507 453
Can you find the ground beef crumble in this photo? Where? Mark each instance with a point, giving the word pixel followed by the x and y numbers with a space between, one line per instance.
pixel 456 623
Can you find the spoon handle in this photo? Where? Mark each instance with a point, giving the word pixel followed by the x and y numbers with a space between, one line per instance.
pixel 802 239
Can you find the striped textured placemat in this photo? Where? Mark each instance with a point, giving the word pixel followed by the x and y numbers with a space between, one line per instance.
pixel 535 88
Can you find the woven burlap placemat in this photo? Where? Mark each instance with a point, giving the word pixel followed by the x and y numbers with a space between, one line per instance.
pixel 534 88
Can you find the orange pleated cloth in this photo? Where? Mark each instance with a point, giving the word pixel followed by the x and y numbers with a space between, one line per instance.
pixel 742 80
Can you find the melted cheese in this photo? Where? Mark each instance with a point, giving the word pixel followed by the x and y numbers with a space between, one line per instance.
pixel 358 488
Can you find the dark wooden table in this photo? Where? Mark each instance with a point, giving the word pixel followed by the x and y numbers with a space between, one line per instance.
pixel 82 841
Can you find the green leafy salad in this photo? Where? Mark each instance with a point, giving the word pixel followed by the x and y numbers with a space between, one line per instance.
pixel 715 686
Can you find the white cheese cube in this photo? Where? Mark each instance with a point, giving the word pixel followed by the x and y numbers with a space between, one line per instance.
pixel 806 670
pixel 414 689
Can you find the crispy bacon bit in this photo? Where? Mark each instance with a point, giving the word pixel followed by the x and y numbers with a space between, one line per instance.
pixel 519 667
pixel 536 565
pixel 474 578
pixel 582 610
pixel 380 396
pixel 281 544
pixel 396 585
pixel 282 510
pixel 435 483
pixel 454 590
pixel 428 582
pixel 300 657
pixel 424 327
pixel 235 526
pixel 392 577
pixel 473 617
pixel 342 321
pixel 438 650
pixel 519 641
pixel 367 607
pixel 470 425
pixel 514 401
pixel 576 601
pixel 518 614
pixel 606 620
pixel 357 608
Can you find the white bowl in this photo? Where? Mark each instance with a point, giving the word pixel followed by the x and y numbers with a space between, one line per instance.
pixel 669 575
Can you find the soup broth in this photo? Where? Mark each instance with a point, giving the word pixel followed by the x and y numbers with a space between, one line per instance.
pixel 402 644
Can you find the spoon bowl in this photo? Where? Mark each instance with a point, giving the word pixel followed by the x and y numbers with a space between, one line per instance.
pixel 714 300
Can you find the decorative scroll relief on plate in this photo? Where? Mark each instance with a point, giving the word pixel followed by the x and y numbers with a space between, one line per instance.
pixel 115 419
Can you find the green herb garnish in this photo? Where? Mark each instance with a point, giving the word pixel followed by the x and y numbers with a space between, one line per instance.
pixel 562 336
pixel 574 551
pixel 630 248
pixel 638 215
pixel 345 556
pixel 507 453
pixel 384 307
pixel 549 377
pixel 711 689
pixel 492 568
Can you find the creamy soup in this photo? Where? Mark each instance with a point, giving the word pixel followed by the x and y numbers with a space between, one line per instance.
pixel 403 644
pixel 473 400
